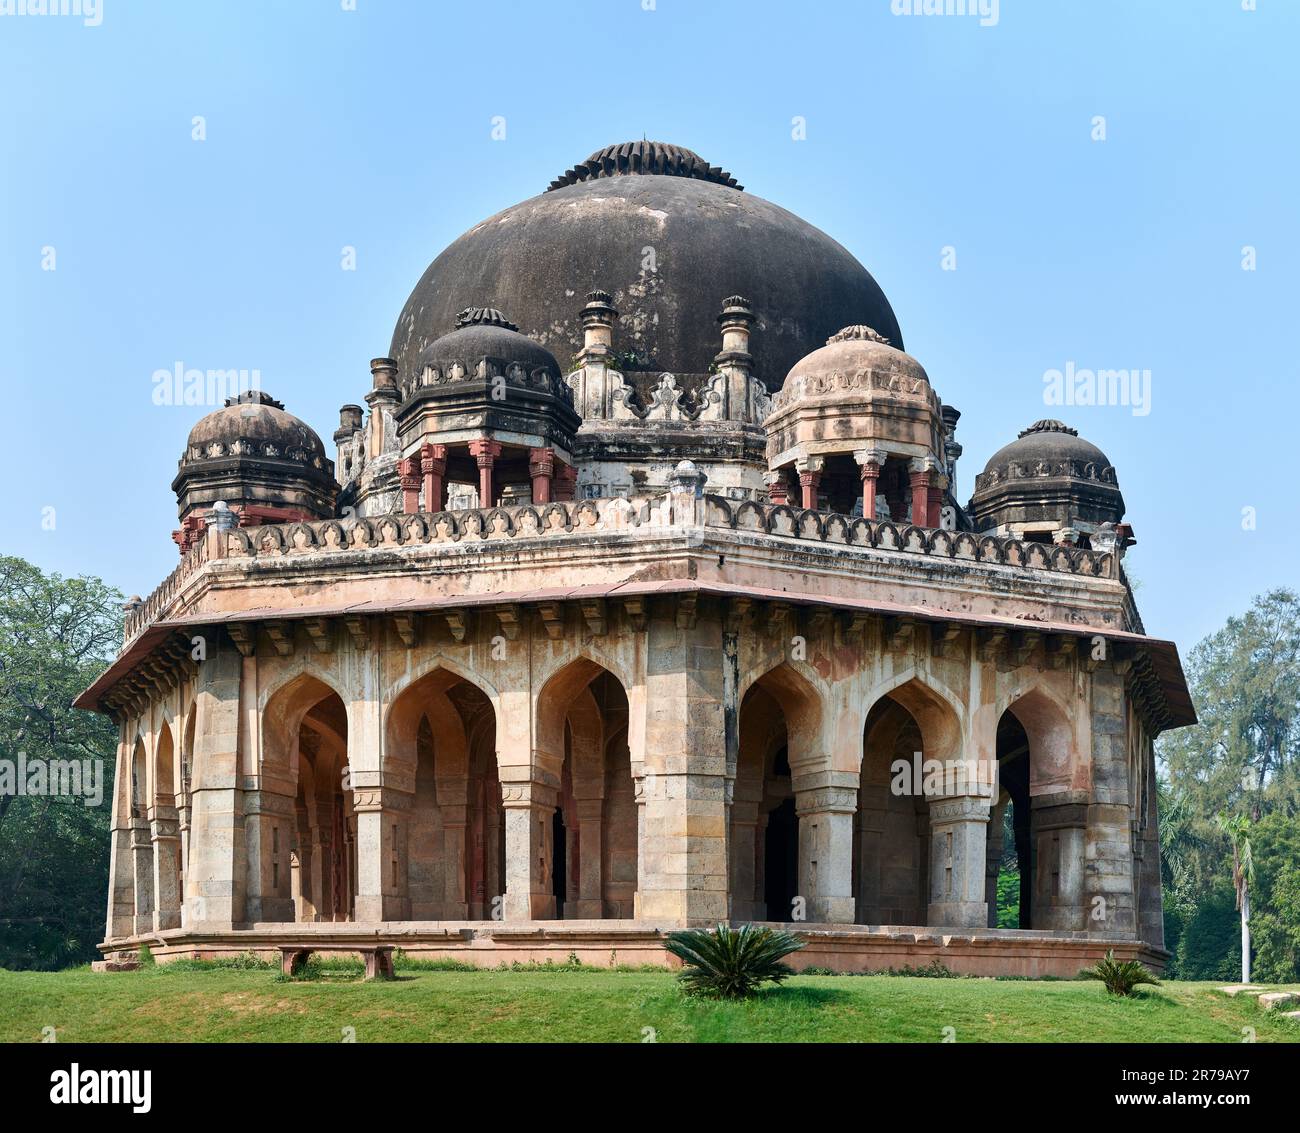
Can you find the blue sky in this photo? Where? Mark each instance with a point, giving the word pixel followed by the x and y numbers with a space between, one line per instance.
pixel 372 129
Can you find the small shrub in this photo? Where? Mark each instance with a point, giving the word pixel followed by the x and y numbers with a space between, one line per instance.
pixel 146 956
pixel 1119 976
pixel 729 963
pixel 936 969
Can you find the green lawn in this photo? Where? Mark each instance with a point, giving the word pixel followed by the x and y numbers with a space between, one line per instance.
pixel 564 1005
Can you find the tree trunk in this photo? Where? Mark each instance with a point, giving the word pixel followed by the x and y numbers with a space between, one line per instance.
pixel 1245 935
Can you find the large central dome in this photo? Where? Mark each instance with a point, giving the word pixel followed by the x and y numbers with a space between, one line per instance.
pixel 669 236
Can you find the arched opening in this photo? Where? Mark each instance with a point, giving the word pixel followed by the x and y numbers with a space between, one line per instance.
pixel 303 839
pixel 778 724
pixel 451 837
pixel 1010 873
pixel 891 835
pixel 139 780
pixel 1041 820
pixel 592 848
pixel 164 834
pixel 142 863
pixel 911 758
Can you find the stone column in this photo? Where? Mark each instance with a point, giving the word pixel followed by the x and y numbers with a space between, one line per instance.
pixel 164 833
pixel 1058 826
pixel 934 500
pixel 121 866
pixel 541 470
pixel 453 804
pixel 529 809
pixel 383 399
pixel 566 481
pixel 958 829
pixel 268 834
pixel 826 807
pixel 485 452
pixel 142 862
pixel 871 462
pixel 598 318
pixel 639 786
pixel 1109 886
pixel 214 885
pixel 408 471
pixel 381 814
pixel 433 467
pixel 590 807
pixel 744 856
pixel 684 843
pixel 810 475
pixel 920 481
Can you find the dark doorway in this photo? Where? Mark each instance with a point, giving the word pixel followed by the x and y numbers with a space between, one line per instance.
pixel 560 860
pixel 781 861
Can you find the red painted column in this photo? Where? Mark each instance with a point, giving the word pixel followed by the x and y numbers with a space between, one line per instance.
pixel 808 482
pixel 433 465
pixel 485 451
pixel 778 488
pixel 870 474
pixel 541 469
pixel 933 505
pixel 408 469
pixel 565 482
pixel 920 496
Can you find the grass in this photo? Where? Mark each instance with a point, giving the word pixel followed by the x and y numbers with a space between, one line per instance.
pixel 210 1003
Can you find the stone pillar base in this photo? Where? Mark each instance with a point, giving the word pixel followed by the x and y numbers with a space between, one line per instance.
pixel 957 914
pixel 832 910
pixel 386 907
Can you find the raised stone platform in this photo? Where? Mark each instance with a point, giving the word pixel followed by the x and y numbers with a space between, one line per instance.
pixel 841 948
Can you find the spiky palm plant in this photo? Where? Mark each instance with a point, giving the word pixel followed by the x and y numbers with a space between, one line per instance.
pixel 1119 976
pixel 728 963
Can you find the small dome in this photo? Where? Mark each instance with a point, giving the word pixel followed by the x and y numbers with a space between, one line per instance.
pixel 259 459
pixel 1048 478
pixel 253 424
pixel 1048 441
pixel 856 358
pixel 485 333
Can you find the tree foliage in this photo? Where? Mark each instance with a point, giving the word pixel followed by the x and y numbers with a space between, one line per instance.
pixel 1241 761
pixel 56 635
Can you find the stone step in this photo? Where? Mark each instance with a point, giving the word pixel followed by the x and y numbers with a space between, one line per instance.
pixel 1273 999
pixel 114 965
pixel 1238 989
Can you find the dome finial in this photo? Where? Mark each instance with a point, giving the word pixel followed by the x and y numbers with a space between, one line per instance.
pixel 645 157
pixel 483 316
pixel 869 334
pixel 1048 425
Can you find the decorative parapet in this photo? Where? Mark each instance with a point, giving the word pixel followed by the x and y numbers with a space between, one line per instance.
pixel 152 607
pixel 606 515
pixel 611 516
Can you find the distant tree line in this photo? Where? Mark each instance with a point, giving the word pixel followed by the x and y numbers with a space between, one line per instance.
pixel 56 636
pixel 1241 762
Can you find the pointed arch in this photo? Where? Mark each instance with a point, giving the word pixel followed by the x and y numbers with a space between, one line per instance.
pixel 939 714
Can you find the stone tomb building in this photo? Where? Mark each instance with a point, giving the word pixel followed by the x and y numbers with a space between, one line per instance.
pixel 639 596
